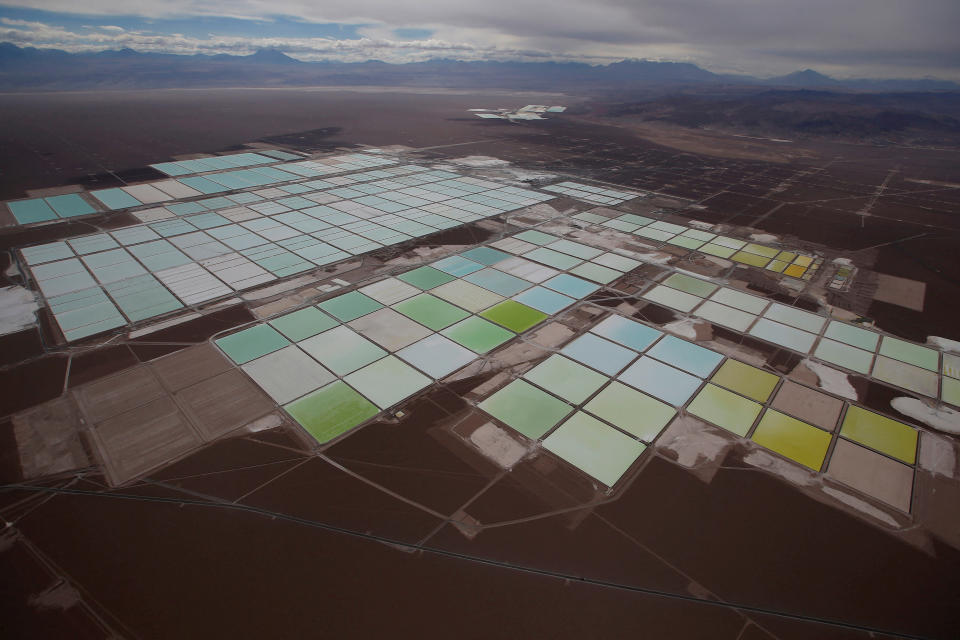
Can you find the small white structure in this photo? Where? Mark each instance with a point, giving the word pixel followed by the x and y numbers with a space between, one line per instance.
pixel 529 112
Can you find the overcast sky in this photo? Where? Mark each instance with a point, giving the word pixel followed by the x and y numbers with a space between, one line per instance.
pixel 843 38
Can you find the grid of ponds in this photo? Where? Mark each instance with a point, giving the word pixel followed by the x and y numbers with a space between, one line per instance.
pixel 257 198
pixel 590 193
pixel 219 163
pixel 202 250
pixel 611 391
pixel 337 364
pixel 791 263
pixel 597 403
pixel 387 190
pixel 255 176
pixel 234 179
pixel 855 348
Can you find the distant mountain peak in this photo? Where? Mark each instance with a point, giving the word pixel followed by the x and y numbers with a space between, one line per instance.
pixel 270 56
pixel 805 78
pixel 126 52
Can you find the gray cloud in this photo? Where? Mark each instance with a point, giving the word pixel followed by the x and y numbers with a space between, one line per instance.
pixel 844 37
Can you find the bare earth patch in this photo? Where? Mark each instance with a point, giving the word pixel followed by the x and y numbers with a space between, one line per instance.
pixel 900 291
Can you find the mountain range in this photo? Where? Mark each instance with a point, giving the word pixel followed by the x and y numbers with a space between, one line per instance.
pixel 30 69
